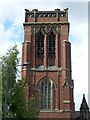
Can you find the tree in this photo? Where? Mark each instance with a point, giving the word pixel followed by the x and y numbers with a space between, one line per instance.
pixel 9 70
pixel 0 90
pixel 19 106
pixel 16 102
pixel 33 112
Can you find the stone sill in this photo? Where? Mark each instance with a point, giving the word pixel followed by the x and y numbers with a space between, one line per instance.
pixel 44 23
pixel 53 111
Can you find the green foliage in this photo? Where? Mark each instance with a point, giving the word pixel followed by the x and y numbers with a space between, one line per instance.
pixel 9 70
pixel 0 90
pixel 10 61
pixel 17 102
pixel 33 112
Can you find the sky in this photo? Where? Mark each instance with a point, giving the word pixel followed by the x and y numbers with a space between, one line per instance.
pixel 12 16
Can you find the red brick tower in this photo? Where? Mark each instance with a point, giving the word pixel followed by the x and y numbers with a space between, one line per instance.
pixel 47 48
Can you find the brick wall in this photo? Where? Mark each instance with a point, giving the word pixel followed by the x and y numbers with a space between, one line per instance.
pixel 63 103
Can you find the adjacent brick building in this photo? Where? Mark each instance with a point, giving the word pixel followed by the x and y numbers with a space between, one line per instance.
pixel 47 48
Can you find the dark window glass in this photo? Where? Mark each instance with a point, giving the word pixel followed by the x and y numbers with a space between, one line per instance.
pixel 51 44
pixel 40 43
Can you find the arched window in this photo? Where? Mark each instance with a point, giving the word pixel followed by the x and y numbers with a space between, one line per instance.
pixel 51 44
pixel 46 93
pixel 40 43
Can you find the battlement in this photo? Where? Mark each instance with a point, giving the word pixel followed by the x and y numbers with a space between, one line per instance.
pixel 57 13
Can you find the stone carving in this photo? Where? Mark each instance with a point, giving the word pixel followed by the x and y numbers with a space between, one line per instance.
pixel 45 29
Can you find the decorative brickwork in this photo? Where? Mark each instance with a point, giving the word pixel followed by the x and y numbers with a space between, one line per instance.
pixel 47 48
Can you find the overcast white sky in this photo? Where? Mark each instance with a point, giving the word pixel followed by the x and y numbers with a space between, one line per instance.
pixel 11 32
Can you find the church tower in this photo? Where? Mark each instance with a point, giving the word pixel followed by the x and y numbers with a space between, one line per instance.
pixel 47 48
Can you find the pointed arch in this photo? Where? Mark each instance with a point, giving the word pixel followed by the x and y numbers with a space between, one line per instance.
pixel 40 43
pixel 51 43
pixel 38 29
pixel 46 87
pixel 47 79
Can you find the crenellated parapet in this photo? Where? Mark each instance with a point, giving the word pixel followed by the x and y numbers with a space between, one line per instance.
pixel 40 14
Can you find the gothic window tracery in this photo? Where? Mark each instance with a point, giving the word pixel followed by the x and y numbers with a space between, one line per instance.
pixel 46 92
pixel 51 44
pixel 40 43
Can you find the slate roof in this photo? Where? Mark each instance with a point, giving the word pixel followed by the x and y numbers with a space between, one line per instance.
pixel 84 105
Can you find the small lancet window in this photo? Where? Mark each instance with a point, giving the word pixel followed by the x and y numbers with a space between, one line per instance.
pixel 40 43
pixel 51 44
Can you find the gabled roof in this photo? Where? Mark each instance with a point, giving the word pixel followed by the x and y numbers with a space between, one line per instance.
pixel 84 105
